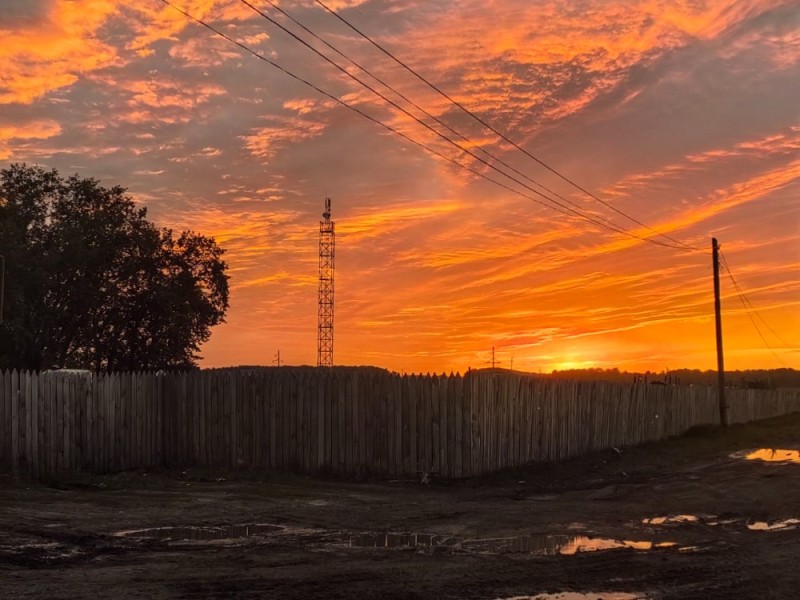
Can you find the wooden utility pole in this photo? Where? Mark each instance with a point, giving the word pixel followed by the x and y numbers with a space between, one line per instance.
pixel 723 405
pixel 492 362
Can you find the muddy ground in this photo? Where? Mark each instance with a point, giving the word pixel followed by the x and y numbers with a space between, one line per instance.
pixel 676 519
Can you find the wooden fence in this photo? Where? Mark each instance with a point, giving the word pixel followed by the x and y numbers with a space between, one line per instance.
pixel 345 420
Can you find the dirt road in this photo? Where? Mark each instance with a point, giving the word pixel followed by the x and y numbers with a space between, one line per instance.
pixel 676 519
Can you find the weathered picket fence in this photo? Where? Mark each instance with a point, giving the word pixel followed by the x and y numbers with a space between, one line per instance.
pixel 348 421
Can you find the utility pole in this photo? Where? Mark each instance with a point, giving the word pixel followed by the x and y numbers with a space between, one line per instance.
pixel 723 406
pixel 278 358
pixel 493 361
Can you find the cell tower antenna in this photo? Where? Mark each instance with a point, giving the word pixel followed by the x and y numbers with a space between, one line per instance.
pixel 327 253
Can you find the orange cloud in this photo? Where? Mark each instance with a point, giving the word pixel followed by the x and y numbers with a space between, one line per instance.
pixel 203 51
pixel 383 220
pixel 551 40
pixel 265 142
pixel 156 94
pixel 54 50
pixel 65 41
pixel 157 21
pixel 34 130
pixel 782 144
pixel 736 194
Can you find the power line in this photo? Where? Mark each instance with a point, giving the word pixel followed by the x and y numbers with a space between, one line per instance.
pixel 745 302
pixel 748 305
pixel 499 133
pixel 758 329
pixel 754 309
pixel 389 101
pixel 563 210
pixel 415 105
pixel 369 117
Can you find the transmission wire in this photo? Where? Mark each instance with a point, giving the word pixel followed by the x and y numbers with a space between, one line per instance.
pixel 366 115
pixel 499 133
pixel 423 110
pixel 749 306
pixel 611 227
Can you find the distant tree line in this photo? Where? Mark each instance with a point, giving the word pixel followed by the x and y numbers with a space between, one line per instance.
pixel 91 283
pixel 750 378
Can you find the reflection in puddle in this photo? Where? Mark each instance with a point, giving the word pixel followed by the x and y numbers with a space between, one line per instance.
pixel 777 525
pixel 591 545
pixel 552 545
pixel 713 521
pixel 770 455
pixel 201 534
pixel 394 540
pixel 581 596
pixel 671 519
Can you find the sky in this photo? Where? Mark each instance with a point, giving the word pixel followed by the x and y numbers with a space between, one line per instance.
pixel 682 114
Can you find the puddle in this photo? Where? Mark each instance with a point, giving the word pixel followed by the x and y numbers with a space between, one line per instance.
pixel 553 545
pixel 770 455
pixel 395 540
pixel 580 596
pixel 583 544
pixel 671 519
pixel 775 526
pixel 201 534
pixel 713 521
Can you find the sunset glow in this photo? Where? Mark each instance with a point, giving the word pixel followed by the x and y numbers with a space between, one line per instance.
pixel 683 114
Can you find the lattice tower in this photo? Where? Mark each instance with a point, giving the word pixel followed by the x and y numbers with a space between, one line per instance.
pixel 327 252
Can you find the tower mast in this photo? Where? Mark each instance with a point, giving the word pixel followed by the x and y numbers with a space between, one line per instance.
pixel 327 247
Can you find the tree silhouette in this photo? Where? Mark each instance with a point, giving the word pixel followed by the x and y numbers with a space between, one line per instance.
pixel 91 283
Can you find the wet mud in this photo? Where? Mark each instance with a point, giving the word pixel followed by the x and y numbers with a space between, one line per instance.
pixel 702 516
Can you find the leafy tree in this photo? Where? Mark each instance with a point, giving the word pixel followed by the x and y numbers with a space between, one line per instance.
pixel 91 283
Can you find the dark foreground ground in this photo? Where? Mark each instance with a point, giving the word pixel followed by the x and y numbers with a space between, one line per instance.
pixel 521 533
